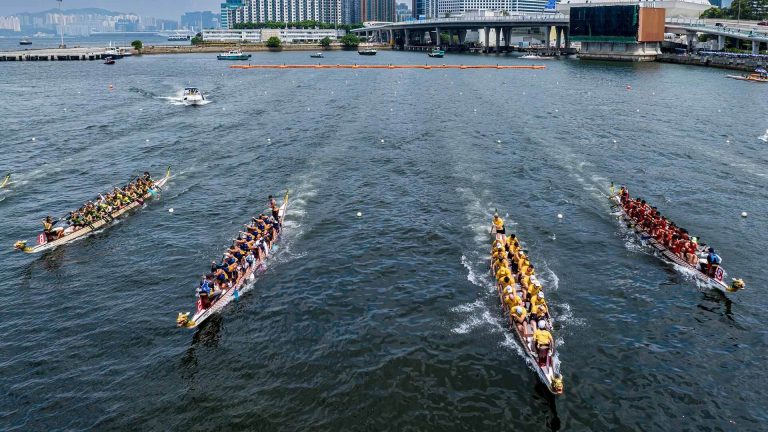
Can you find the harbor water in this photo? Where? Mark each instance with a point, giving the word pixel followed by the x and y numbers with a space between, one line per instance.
pixel 389 320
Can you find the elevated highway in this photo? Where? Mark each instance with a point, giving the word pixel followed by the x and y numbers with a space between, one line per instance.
pixel 408 33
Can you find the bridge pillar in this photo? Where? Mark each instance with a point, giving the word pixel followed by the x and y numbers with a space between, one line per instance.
pixel 462 37
pixel 486 31
pixel 391 37
pixel 558 34
pixel 720 43
pixel 690 38
pixel 549 36
pixel 755 47
pixel 567 36
pixel 407 40
pixel 437 36
pixel 507 32
pixel 497 31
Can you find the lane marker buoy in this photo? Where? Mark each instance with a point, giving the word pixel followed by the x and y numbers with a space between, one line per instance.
pixel 359 214
pixel 744 214
pixel 170 210
pixel 559 215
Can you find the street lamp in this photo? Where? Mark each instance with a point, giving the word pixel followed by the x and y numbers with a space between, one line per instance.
pixel 61 26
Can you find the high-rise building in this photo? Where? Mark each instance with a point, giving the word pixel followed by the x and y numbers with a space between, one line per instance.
pixel 403 12
pixel 194 20
pixel 419 8
pixel 240 11
pixel 441 8
pixel 377 10
pixel 232 12
pixel 350 11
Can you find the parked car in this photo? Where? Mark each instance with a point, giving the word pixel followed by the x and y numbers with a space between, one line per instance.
pixel 764 23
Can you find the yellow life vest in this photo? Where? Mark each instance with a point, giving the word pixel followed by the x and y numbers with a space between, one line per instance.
pixel 543 337
pixel 498 222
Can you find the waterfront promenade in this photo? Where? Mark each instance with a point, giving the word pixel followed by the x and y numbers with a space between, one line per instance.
pixel 78 53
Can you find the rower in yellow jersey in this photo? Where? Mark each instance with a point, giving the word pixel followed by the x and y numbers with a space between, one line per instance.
pixel 537 300
pixel 519 315
pixel 498 225
pixel 534 286
pixel 512 300
pixel 503 270
pixel 512 244
pixel 543 339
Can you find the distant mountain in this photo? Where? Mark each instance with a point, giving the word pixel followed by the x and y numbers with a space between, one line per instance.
pixel 83 11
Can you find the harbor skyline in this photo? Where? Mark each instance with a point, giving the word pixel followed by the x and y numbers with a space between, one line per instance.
pixel 166 9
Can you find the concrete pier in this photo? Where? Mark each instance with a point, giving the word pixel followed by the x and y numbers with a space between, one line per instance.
pixel 54 54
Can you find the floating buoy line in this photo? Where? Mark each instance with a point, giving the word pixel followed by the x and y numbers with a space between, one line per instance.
pixel 383 66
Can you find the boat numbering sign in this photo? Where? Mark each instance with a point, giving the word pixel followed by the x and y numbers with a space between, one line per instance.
pixel 42 239
pixel 719 274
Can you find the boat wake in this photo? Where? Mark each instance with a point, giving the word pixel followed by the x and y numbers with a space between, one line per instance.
pixel 764 137
pixel 142 92
pixel 178 99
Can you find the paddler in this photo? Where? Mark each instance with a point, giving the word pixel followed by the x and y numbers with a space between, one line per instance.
pixel 536 300
pixel 51 233
pixel 543 340
pixel 519 315
pixel 498 225
pixel 503 270
pixel 274 207
pixel 713 261
pixel 512 300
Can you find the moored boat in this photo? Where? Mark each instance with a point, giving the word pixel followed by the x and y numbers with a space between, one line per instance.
pixel 233 55
pixel 753 77
pixel 367 51
pixel 672 243
pixel 25 41
pixel 317 55
pixel 436 53
pixel 73 232
pixel 522 300
pixel 536 57
pixel 109 61
pixel 214 293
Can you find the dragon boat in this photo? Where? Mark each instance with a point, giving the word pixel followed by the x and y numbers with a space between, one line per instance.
pixel 711 274
pixel 247 271
pixel 543 358
pixel 72 234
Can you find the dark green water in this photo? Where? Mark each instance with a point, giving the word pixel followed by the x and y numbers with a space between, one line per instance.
pixel 389 321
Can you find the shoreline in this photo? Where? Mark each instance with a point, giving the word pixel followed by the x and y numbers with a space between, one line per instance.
pixel 219 48
pixel 730 63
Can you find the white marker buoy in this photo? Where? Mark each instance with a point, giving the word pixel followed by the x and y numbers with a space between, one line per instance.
pixel 559 215
pixel 382 140
pixel 498 141
pixel 743 214
pixel 147 139
pixel 33 138
pixel 359 214
pixel 170 210
pixel 614 141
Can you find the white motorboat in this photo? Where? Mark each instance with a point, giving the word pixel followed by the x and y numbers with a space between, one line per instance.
pixel 193 97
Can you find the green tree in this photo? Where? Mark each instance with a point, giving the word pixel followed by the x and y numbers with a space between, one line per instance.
pixel 350 41
pixel 198 39
pixel 713 12
pixel 137 45
pixel 325 42
pixel 273 42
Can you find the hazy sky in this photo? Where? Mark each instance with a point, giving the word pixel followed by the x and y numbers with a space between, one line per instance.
pixel 172 9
